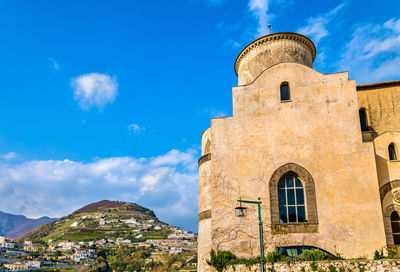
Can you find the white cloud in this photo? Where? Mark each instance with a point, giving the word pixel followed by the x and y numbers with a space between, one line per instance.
pixel 8 156
pixel 135 129
pixel 213 112
pixel 94 90
pixel 316 27
pixel 55 188
pixel 175 157
pixel 373 53
pixel 54 63
pixel 259 9
pixel 232 43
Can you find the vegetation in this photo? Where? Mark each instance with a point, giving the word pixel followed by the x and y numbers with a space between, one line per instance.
pixel 221 260
pixel 314 255
pixel 89 230
pixel 117 232
pixel 108 206
pixel 332 268
pixel 314 266
pixel 393 253
pixel 379 254
pixel 274 256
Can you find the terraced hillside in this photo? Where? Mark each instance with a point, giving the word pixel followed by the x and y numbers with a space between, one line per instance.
pixel 112 236
pixel 103 220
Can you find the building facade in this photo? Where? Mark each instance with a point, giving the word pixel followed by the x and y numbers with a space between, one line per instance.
pixel 319 151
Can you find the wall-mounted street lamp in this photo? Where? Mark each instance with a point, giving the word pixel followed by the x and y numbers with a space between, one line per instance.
pixel 241 212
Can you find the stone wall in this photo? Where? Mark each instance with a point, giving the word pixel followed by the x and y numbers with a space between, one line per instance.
pixel 389 265
pixel 383 113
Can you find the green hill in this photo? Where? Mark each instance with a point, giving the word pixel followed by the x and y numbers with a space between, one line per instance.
pixel 113 236
pixel 101 220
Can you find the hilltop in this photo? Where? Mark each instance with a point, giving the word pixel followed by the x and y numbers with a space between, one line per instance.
pixel 119 235
pixel 99 220
pixel 107 204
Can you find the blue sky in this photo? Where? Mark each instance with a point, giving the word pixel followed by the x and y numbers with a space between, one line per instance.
pixel 108 99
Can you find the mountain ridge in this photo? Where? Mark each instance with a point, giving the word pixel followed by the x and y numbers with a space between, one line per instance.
pixel 15 226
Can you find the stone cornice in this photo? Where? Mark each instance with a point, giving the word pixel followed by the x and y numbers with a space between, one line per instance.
pixel 205 215
pixel 204 158
pixel 273 37
pixel 378 85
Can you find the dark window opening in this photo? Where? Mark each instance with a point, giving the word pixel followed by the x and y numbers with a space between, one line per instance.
pixel 395 220
pixel 363 120
pixel 285 91
pixel 392 152
pixel 291 200
pixel 295 251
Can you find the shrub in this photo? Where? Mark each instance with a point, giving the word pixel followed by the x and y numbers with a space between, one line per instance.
pixel 314 255
pixel 314 266
pixel 379 254
pixel 393 252
pixel 338 257
pixel 221 260
pixel 274 256
pixel 332 268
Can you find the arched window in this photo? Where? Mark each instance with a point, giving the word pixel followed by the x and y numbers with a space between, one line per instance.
pixel 363 120
pixel 392 152
pixel 395 221
pixel 285 92
pixel 291 199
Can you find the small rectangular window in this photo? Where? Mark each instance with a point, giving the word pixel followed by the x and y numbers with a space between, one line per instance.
pixel 285 92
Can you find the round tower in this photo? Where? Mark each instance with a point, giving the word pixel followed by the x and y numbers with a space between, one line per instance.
pixel 270 50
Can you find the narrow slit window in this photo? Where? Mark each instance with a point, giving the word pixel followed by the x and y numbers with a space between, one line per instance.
pixel 392 152
pixel 363 120
pixel 285 92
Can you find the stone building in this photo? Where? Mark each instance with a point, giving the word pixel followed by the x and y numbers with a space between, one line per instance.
pixel 320 152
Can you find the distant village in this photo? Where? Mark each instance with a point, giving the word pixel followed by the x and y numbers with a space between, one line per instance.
pixel 26 255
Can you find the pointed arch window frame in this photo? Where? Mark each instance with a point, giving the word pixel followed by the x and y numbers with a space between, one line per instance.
pixel 388 222
pixel 311 225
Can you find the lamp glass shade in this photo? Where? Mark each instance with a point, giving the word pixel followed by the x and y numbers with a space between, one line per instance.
pixel 240 211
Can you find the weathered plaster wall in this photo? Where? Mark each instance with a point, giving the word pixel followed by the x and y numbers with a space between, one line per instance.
pixel 319 130
pixel 206 142
pixel 204 211
pixel 382 106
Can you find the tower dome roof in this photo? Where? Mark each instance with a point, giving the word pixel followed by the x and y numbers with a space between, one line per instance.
pixel 270 50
